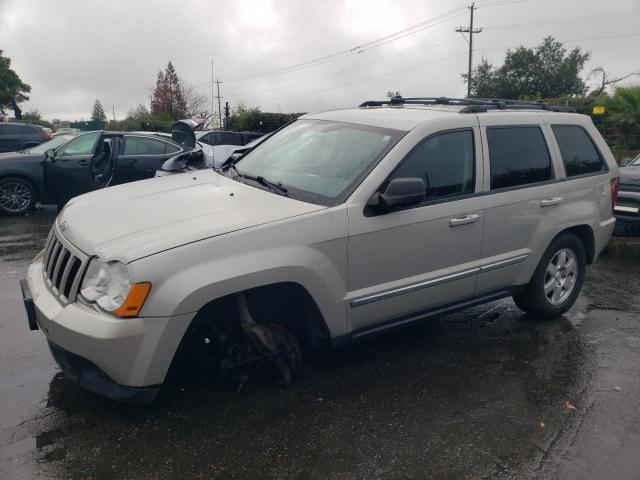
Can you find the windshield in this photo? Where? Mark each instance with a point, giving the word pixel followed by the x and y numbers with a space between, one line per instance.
pixel 319 161
pixel 635 162
pixel 55 143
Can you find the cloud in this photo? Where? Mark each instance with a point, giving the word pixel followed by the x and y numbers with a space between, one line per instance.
pixel 75 51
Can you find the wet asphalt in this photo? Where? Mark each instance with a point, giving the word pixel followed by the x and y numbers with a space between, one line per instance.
pixel 484 393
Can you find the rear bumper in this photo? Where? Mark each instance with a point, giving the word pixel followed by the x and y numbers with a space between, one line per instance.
pixel 104 354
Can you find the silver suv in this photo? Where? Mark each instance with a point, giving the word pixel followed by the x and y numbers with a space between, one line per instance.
pixel 341 225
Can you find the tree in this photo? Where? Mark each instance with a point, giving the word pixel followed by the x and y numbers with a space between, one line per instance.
pixel 541 72
pixel 606 80
pixel 167 96
pixel 197 105
pixel 252 119
pixel 12 89
pixel 35 117
pixel 98 112
pixel 623 117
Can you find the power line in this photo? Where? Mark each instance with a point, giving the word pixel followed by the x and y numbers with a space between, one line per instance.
pixel 413 67
pixel 378 60
pixel 439 39
pixel 355 50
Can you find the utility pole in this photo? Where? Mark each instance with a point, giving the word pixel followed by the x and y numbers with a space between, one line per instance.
pixel 113 110
pixel 219 108
pixel 212 95
pixel 470 30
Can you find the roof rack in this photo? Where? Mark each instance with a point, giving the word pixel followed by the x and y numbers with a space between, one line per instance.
pixel 471 105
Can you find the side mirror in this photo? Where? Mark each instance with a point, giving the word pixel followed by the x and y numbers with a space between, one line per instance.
pixel 51 154
pixel 401 192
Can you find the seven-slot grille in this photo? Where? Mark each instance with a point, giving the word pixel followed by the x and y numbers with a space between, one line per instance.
pixel 62 266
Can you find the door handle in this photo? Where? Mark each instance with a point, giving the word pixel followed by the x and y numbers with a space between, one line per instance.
pixel 83 163
pixel 464 220
pixel 550 202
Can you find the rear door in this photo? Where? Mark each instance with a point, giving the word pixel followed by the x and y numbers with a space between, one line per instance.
pixel 69 173
pixel 522 192
pixel 140 157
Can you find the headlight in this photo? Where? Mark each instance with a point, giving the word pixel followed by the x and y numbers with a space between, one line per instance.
pixel 107 285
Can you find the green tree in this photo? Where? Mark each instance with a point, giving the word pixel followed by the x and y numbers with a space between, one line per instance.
pixel 252 119
pixel 35 117
pixel 98 112
pixel 545 71
pixel 12 90
pixel 622 118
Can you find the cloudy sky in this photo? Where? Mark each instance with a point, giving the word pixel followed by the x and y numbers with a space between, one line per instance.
pixel 288 55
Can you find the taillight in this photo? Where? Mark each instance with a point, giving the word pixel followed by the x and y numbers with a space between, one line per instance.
pixel 49 136
pixel 615 188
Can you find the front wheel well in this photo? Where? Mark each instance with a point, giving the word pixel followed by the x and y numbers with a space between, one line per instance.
pixel 287 304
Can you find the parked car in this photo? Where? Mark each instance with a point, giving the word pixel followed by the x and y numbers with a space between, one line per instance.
pixel 98 159
pixel 627 208
pixel 218 137
pixel 17 136
pixel 63 130
pixel 22 177
pixel 339 226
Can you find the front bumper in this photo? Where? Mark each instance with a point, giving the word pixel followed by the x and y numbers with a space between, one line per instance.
pixel 98 349
pixel 81 371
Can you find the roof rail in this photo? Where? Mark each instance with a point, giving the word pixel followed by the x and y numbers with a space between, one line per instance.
pixel 471 105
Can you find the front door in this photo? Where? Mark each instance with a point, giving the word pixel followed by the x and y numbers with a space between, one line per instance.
pixel 408 261
pixel 82 165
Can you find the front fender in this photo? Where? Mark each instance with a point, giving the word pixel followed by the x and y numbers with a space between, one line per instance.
pixel 312 254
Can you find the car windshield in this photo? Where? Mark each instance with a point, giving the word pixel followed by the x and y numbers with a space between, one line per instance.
pixel 55 143
pixel 635 162
pixel 319 161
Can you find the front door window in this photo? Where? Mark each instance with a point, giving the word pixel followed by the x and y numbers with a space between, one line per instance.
pixel 83 145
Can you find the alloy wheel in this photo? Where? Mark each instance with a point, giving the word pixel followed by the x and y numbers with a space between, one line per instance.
pixel 15 196
pixel 561 276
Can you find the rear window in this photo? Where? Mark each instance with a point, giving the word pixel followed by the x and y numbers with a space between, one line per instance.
pixel 579 154
pixel 518 156
pixel 143 146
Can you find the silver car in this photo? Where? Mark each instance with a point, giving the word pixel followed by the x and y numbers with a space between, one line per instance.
pixel 341 225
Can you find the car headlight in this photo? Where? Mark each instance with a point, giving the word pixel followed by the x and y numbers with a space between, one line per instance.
pixel 107 285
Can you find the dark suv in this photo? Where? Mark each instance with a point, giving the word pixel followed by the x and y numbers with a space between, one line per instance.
pixel 17 136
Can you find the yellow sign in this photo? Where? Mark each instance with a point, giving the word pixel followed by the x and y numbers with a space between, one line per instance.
pixel 598 110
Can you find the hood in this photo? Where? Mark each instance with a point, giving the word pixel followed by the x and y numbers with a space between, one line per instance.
pixel 18 156
pixel 138 219
pixel 630 175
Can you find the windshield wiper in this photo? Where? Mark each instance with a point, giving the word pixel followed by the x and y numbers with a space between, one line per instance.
pixel 274 187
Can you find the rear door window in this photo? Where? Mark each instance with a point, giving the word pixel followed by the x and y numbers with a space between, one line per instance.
pixel 579 154
pixel 144 146
pixel 518 156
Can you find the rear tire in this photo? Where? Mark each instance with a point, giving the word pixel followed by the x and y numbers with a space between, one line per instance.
pixel 17 196
pixel 558 279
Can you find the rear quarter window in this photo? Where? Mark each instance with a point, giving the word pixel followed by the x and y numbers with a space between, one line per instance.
pixel 518 156
pixel 579 154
